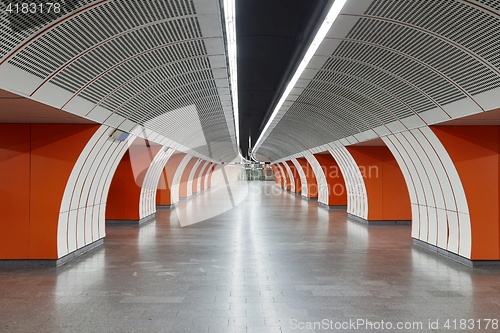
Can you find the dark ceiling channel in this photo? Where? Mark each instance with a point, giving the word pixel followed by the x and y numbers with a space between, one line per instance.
pixel 272 37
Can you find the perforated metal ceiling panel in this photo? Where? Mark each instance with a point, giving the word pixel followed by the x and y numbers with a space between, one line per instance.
pixel 16 27
pixel 400 59
pixel 133 61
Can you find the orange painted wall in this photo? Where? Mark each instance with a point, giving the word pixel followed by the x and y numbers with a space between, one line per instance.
pixel 283 174
pixel 474 151
pixel 163 194
pixel 196 176
pixel 286 176
pixel 388 197
pixel 277 175
pixel 125 191
pixel 54 151
pixel 185 178
pixel 296 177
pixel 37 159
pixel 15 160
pixel 337 192
pixel 312 184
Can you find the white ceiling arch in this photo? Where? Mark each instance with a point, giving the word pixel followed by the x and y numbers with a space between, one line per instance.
pixel 127 64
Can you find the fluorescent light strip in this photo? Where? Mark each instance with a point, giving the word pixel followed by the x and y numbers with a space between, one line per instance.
pixel 323 30
pixel 230 18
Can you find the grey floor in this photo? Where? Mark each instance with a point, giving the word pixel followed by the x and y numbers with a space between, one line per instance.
pixel 274 263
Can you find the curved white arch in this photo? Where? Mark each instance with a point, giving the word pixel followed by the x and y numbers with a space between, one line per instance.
pixel 439 205
pixel 282 175
pixel 191 176
pixel 147 203
pixel 302 175
pixel 82 213
pixel 216 178
pixel 357 198
pixel 277 175
pixel 290 175
pixel 320 178
pixel 200 176
pixel 210 169
pixel 177 178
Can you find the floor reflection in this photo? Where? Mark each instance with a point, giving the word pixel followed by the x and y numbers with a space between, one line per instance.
pixel 201 207
pixel 252 266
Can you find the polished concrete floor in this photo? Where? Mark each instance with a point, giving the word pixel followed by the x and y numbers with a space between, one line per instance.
pixel 265 261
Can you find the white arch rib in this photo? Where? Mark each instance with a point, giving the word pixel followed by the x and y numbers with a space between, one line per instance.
pixel 320 178
pixel 357 197
pixel 191 176
pixel 82 213
pixel 147 204
pixel 302 175
pixel 290 175
pixel 439 205
pixel 177 178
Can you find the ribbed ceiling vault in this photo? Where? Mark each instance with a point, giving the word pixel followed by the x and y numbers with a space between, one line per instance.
pixel 146 66
pixel 159 69
pixel 386 66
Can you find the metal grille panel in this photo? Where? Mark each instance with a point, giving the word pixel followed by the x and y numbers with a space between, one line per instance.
pixel 400 59
pixel 16 28
pixel 140 60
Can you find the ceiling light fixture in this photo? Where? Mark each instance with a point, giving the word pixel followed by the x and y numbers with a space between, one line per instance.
pixel 320 35
pixel 230 19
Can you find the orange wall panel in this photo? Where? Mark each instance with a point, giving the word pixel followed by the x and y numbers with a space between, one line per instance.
pixel 396 199
pixel 277 174
pixel 15 160
pixel 388 197
pixel 282 177
pixel 474 151
pixel 36 161
pixel 124 193
pixel 55 149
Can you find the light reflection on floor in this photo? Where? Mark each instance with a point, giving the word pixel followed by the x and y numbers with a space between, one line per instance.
pixel 254 265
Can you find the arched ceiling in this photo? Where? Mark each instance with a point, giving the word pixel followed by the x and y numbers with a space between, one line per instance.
pixel 145 66
pixel 386 66
pixel 160 68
